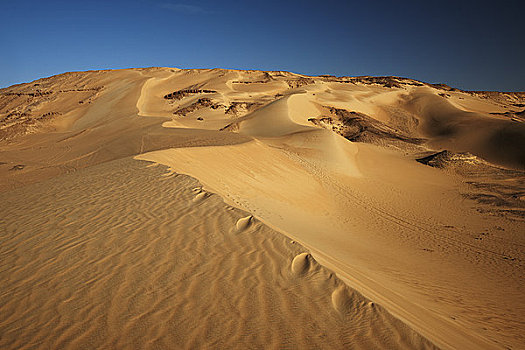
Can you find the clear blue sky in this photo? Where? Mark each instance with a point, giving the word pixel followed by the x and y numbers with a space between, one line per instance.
pixel 473 45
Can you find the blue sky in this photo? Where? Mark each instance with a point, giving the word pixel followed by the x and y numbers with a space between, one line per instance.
pixel 472 45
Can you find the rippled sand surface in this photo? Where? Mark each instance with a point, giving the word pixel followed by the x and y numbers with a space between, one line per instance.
pixel 101 259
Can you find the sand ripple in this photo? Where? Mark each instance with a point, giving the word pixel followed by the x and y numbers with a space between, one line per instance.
pixel 101 259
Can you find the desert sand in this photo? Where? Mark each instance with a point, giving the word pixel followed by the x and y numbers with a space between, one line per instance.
pixel 208 208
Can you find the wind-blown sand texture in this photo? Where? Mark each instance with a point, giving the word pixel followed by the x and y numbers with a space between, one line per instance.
pixel 314 212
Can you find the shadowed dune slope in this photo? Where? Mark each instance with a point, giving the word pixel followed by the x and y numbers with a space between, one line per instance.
pixel 499 140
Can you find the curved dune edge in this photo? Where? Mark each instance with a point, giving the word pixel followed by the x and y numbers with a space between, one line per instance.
pixel 289 200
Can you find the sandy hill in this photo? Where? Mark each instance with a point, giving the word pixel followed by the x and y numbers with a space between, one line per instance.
pixel 209 208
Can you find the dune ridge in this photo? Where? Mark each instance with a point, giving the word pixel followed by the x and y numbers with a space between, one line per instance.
pixel 338 164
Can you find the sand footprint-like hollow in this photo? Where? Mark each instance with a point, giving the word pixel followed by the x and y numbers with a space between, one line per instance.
pixel 200 196
pixel 342 300
pixel 244 223
pixel 301 263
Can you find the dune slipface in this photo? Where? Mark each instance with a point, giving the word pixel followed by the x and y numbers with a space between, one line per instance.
pixel 168 208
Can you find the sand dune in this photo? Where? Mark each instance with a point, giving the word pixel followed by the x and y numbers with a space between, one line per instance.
pixel 500 140
pixel 319 212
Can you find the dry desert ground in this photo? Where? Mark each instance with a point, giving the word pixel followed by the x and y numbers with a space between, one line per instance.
pixel 164 208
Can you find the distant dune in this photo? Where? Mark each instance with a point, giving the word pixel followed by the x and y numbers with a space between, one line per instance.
pixel 209 208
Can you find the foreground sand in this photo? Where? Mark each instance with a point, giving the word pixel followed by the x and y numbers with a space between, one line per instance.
pixel 119 255
pixel 100 259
